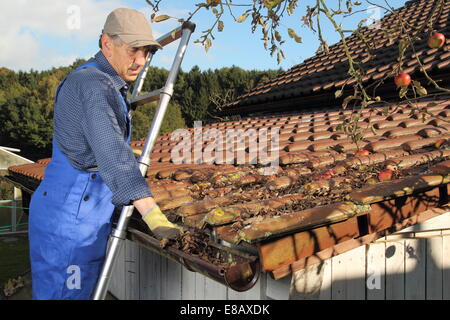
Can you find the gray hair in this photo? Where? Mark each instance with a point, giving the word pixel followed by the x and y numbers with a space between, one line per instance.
pixel 115 38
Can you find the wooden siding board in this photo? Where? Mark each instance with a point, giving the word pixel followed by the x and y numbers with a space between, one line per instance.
pixel 188 284
pixel 434 267
pixel 311 283
pixel 132 287
pixel 278 289
pixel 376 271
pixel 116 286
pixel 356 274
pixel 446 267
pixel 395 270
pixel 215 290
pixel 200 285
pixel 150 266
pixel 173 280
pixel 415 279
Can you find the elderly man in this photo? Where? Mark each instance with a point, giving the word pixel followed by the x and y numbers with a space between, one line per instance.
pixel 93 168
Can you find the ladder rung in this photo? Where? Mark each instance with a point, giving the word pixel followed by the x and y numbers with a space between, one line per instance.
pixel 146 98
pixel 170 37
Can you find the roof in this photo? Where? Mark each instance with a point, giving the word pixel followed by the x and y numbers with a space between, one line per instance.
pixel 323 74
pixel 323 198
pixel 246 205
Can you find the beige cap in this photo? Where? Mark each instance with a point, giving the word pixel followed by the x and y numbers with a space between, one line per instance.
pixel 131 27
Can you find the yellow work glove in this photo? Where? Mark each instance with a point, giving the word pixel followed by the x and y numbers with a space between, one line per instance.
pixel 137 152
pixel 159 225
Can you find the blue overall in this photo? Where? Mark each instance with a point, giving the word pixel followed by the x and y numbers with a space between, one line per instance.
pixel 69 225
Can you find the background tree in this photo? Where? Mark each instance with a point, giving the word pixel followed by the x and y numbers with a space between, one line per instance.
pixel 27 98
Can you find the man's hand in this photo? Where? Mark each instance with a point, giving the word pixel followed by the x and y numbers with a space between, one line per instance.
pixel 155 219
pixel 159 224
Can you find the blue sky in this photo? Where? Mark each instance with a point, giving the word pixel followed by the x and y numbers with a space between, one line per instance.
pixel 48 33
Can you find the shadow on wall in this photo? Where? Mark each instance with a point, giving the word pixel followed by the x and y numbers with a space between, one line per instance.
pixel 400 268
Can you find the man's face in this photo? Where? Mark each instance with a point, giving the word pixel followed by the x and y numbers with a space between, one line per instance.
pixel 127 61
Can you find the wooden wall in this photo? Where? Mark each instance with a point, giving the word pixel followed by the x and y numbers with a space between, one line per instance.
pixel 411 264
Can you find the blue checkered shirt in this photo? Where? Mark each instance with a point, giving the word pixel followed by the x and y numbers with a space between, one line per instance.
pixel 90 129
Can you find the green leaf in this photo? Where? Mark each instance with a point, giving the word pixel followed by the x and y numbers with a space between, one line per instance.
pixel 269 4
pixel 161 18
pixel 242 18
pixel 403 92
pixel 420 90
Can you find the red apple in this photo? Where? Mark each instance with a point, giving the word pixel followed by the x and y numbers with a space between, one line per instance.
pixel 437 40
pixel 403 80
pixel 385 175
pixel 362 152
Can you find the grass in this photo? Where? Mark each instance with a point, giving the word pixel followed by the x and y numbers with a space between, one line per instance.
pixel 14 257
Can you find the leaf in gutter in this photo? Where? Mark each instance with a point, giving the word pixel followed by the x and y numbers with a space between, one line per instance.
pixel 220 26
pixel 161 18
pixel 242 18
